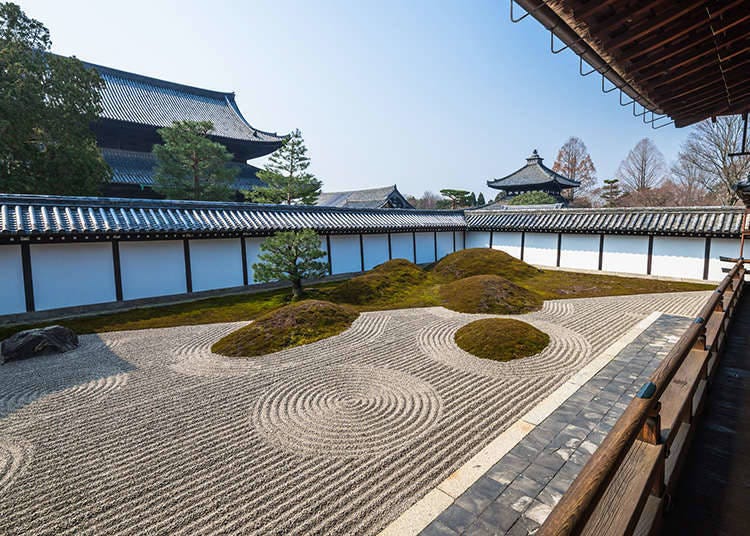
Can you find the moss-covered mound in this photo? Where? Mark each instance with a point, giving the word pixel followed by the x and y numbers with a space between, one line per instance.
pixel 501 339
pixel 483 261
pixel 293 325
pixel 382 282
pixel 488 294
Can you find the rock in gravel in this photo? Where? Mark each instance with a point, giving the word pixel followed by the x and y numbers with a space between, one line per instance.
pixel 39 341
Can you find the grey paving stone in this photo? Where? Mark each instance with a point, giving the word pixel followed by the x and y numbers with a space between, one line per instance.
pixel 456 518
pixel 479 495
pixel 480 527
pixel 437 529
pixel 500 515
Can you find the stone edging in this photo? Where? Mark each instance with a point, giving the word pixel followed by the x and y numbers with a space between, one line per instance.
pixel 424 511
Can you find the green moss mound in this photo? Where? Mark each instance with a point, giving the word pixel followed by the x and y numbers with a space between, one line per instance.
pixel 501 339
pixel 483 261
pixel 386 280
pixel 293 325
pixel 488 294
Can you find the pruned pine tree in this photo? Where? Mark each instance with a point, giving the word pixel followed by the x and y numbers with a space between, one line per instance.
pixel 290 256
pixel 458 198
pixel 611 192
pixel 47 104
pixel 192 166
pixel 286 175
pixel 532 198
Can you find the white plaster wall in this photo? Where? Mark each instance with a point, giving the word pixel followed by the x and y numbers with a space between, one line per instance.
pixel 152 268
pixel 626 254
pixel 477 239
pixel 216 264
pixel 425 247
pixel 402 246
pixel 345 254
pixel 376 249
pixel 721 247
pixel 510 243
pixel 66 275
pixel 540 248
pixel 252 249
pixel 580 251
pixel 12 295
pixel 459 240
pixel 675 256
pixel 444 244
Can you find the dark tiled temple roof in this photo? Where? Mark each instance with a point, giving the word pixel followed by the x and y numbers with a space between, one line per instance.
pixel 684 221
pixel 385 197
pixel 134 98
pixel 51 217
pixel 135 167
pixel 533 174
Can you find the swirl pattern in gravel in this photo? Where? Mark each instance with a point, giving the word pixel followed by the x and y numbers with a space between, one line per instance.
pixel 149 432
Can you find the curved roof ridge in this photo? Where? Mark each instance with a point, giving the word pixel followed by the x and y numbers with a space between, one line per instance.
pixel 525 174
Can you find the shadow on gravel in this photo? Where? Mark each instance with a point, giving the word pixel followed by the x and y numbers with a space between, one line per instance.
pixel 91 370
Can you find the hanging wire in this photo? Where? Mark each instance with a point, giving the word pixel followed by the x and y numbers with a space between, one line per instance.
pixel 580 67
pixel 625 103
pixel 610 90
pixel 552 43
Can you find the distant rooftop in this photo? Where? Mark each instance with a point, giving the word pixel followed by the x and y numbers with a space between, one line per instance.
pixel 135 98
pixel 383 197
pixel 533 176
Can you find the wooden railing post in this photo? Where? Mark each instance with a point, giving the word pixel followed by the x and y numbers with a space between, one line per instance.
pixel 651 429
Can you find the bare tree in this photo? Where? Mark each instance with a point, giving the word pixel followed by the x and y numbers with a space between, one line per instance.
pixel 643 168
pixel 707 152
pixel 573 161
pixel 690 180
pixel 428 200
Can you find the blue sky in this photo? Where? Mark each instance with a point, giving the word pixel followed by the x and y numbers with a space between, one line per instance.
pixel 424 94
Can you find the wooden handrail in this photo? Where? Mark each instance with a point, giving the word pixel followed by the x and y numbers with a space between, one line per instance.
pixel 639 421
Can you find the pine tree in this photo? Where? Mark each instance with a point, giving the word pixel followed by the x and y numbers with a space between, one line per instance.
pixel 287 177
pixel 611 192
pixel 458 198
pixel 480 199
pixel 290 256
pixel 192 166
pixel 473 200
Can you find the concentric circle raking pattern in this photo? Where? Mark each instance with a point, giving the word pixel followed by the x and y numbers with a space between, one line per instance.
pixel 348 411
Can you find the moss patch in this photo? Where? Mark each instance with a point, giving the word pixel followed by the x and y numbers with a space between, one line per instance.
pixel 488 294
pixel 293 325
pixel 483 261
pixel 501 339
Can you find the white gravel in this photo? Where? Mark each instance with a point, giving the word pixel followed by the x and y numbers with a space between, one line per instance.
pixel 148 432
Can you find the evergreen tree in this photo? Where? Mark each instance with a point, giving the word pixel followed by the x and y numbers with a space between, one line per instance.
pixel 473 200
pixel 290 256
pixel 458 198
pixel 480 199
pixel 611 192
pixel 192 166
pixel 47 103
pixel 287 177
pixel 532 198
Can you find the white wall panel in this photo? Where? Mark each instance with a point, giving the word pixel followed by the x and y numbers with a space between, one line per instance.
pixel 510 243
pixel 477 239
pixel 252 250
pixel 459 240
pixel 152 268
pixel 444 244
pixel 626 254
pixel 345 255
pixel 216 264
pixel 12 295
pixel 579 251
pixel 721 247
pixel 675 256
pixel 425 247
pixel 540 248
pixel 402 246
pixel 66 275
pixel 376 249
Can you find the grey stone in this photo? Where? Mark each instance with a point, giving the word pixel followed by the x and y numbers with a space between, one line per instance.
pixel 38 341
pixel 456 518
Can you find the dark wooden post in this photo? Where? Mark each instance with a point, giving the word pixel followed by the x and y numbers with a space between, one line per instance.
pixel 601 251
pixel 188 267
pixel 117 269
pixel 28 280
pixel 390 248
pixel 491 237
pixel 414 245
pixel 706 257
pixel 328 252
pixel 650 254
pixel 454 241
pixel 243 248
pixel 435 232
pixel 523 242
pixel 559 247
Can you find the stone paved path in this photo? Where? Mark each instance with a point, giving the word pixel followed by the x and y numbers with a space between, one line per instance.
pixel 515 496
pixel 148 431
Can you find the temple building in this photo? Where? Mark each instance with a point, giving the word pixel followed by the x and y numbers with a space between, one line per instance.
pixel 385 197
pixel 135 106
pixel 535 177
